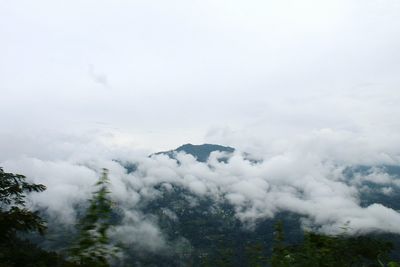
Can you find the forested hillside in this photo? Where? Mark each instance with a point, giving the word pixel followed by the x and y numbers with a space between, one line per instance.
pixel 197 230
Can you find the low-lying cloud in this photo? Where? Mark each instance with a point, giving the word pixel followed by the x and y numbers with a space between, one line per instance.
pixel 307 178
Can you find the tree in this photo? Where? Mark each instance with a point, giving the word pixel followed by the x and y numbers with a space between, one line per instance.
pixel 93 246
pixel 318 250
pixel 14 217
pixel 280 255
pixel 255 255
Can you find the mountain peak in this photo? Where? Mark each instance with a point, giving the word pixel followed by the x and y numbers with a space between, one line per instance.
pixel 200 152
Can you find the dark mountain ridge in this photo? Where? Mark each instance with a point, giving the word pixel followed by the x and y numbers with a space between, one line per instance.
pixel 200 152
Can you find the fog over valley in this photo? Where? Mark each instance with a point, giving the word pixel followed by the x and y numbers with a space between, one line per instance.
pixel 216 120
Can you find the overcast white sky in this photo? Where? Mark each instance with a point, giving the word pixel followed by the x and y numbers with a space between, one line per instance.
pixel 161 73
pixel 311 87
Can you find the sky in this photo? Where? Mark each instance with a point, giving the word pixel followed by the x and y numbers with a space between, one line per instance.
pixel 308 86
pixel 158 74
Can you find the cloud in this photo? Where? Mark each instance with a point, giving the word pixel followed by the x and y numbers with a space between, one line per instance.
pixel 139 232
pixel 306 178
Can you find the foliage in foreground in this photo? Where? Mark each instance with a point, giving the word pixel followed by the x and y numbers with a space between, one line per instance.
pixel 15 219
pixel 93 246
pixel 319 250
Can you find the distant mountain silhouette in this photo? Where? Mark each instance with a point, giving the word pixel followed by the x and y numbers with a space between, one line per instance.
pixel 200 152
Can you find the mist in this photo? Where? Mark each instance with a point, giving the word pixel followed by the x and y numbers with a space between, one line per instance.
pixel 307 89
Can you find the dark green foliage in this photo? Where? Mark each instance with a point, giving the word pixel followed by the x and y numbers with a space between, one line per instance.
pixel 22 253
pixel 13 214
pixel 16 219
pixel 256 255
pixel 280 254
pixel 319 250
pixel 93 246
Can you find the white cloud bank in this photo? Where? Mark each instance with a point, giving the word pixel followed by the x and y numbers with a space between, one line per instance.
pixel 305 178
